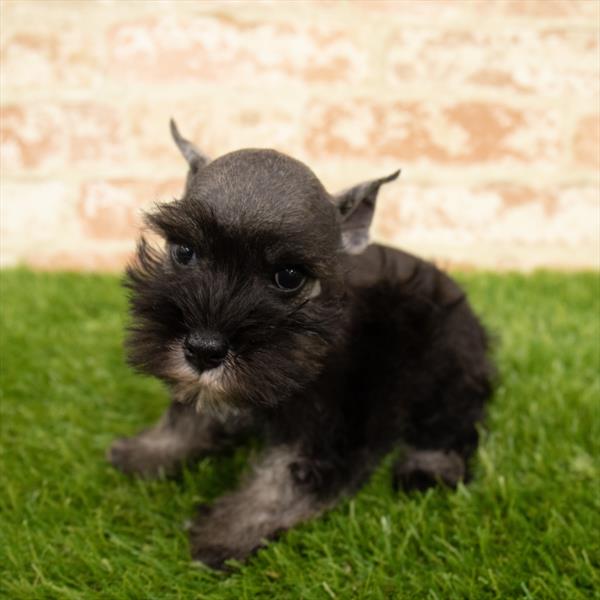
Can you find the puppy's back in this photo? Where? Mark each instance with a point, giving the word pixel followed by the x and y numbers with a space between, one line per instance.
pixel 381 266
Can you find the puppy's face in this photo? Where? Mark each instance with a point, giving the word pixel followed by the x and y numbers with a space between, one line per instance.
pixel 245 299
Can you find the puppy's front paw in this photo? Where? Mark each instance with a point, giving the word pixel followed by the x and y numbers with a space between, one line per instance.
pixel 213 555
pixel 134 456
pixel 214 539
pixel 422 469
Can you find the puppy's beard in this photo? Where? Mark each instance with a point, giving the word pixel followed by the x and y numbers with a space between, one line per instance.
pixel 210 391
pixel 214 379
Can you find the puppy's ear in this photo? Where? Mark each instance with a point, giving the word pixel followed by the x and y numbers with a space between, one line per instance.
pixel 356 207
pixel 194 157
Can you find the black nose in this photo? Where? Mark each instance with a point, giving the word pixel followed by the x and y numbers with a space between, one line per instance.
pixel 205 350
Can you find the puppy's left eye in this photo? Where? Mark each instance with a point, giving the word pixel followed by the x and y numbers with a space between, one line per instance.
pixel 182 253
pixel 290 279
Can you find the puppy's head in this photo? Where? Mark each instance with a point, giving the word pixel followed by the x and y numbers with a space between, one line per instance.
pixel 245 300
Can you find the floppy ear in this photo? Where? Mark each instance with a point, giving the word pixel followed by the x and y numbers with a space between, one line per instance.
pixel 356 207
pixel 194 157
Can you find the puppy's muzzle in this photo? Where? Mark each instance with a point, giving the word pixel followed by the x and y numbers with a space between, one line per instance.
pixel 205 350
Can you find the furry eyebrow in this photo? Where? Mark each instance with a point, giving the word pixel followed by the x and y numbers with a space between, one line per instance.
pixel 160 220
pixel 166 220
pixel 169 231
pixel 280 252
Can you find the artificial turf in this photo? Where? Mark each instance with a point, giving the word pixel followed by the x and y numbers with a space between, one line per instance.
pixel 528 526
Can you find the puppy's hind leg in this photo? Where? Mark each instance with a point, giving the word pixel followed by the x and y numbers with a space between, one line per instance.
pixel 440 447
pixel 422 469
pixel 181 436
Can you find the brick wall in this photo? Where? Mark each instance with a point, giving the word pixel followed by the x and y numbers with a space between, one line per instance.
pixel 490 107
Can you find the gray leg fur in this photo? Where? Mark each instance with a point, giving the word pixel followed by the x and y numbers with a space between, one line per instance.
pixel 270 501
pixel 181 435
pixel 421 469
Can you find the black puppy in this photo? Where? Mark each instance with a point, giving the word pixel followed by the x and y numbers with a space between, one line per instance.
pixel 268 311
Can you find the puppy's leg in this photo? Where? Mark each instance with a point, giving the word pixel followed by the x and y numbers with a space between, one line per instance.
pixel 182 435
pixel 422 469
pixel 278 494
pixel 440 446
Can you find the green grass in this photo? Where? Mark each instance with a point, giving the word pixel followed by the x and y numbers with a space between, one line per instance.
pixel 72 527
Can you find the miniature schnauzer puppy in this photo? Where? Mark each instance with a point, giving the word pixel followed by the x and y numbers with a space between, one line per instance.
pixel 267 311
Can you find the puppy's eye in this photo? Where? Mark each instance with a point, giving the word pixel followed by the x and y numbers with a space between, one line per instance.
pixel 182 253
pixel 290 279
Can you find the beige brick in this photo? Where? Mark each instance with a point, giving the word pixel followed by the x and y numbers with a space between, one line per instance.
pixel 46 135
pixel 272 122
pixel 586 142
pixel 440 10
pixel 216 125
pixel 31 138
pixel 221 49
pixel 458 10
pixel 489 106
pixel 495 226
pixel 35 55
pixel 553 62
pixel 88 257
pixel 553 9
pixel 35 217
pixel 455 133
pixel 112 209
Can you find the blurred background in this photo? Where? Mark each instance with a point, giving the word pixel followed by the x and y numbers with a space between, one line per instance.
pixel 490 107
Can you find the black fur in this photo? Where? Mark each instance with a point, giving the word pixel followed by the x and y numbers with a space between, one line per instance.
pixel 379 349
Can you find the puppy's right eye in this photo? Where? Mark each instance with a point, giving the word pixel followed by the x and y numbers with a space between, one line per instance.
pixel 182 253
pixel 290 279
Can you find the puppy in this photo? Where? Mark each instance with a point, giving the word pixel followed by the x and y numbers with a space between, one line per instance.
pixel 268 312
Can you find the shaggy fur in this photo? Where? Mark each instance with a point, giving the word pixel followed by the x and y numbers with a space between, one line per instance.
pixel 376 350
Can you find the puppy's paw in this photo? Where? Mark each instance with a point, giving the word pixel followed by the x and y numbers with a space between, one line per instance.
pixel 134 456
pixel 213 555
pixel 422 469
pixel 215 539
